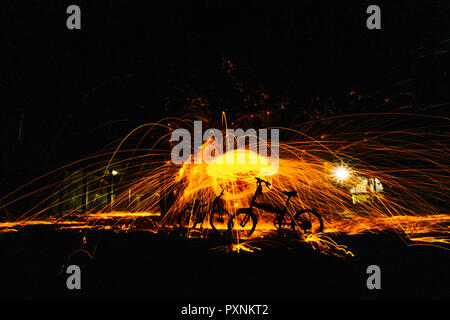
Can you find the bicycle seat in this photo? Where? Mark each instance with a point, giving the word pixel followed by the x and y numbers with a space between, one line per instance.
pixel 289 193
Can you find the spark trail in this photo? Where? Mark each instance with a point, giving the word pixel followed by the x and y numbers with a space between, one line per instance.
pixel 411 164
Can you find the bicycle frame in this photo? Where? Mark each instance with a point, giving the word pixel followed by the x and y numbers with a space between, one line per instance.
pixel 279 211
pixel 264 206
pixel 247 214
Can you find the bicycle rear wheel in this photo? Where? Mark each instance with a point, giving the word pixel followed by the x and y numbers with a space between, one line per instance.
pixel 309 221
pixel 242 224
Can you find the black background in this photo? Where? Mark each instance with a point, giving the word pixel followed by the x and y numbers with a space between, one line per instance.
pixel 78 90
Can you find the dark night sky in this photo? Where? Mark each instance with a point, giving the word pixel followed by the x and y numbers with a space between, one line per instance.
pixel 80 90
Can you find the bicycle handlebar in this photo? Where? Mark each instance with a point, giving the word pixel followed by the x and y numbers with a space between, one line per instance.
pixel 260 181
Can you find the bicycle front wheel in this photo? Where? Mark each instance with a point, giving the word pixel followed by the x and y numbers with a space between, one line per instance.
pixel 242 224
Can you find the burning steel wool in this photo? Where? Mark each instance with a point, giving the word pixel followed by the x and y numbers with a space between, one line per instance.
pixel 354 181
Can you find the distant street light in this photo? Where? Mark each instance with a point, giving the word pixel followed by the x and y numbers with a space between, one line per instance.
pixel 341 173
pixel 113 173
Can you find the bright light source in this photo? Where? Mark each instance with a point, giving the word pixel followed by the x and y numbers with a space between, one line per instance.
pixel 341 173
pixel 114 172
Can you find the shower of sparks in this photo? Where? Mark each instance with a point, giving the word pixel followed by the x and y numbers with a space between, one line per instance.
pixel 125 191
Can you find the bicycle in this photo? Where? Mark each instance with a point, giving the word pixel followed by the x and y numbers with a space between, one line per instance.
pixel 195 214
pixel 242 224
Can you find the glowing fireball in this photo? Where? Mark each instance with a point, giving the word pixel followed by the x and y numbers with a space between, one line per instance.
pixel 235 172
